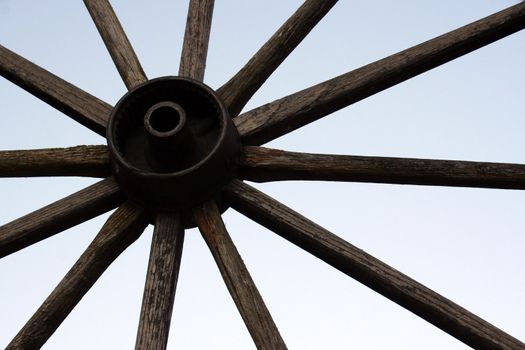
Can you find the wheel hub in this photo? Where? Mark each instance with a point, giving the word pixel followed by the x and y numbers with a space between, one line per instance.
pixel 172 143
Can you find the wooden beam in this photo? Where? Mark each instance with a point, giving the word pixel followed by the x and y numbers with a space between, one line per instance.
pixel 282 116
pixel 161 282
pixel 196 38
pixel 91 161
pixel 116 42
pixel 243 85
pixel 120 231
pixel 59 216
pixel 264 164
pixel 368 270
pixel 237 278
pixel 67 98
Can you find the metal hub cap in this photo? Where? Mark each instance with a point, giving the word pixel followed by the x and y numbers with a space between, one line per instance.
pixel 172 143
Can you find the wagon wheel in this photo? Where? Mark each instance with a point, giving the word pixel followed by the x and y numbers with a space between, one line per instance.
pixel 177 154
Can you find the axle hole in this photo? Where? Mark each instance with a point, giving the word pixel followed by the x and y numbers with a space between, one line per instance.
pixel 164 119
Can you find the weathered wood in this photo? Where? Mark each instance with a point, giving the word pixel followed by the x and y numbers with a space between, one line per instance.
pixel 120 231
pixel 161 282
pixel 243 85
pixel 282 116
pixel 196 38
pixel 59 216
pixel 116 42
pixel 91 161
pixel 264 164
pixel 237 278
pixel 67 98
pixel 368 270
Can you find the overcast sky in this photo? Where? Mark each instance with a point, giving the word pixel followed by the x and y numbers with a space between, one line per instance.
pixel 467 244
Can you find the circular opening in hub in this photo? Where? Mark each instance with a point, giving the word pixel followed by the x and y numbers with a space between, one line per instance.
pixel 164 118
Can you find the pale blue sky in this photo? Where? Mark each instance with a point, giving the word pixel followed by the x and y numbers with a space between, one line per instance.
pixel 467 244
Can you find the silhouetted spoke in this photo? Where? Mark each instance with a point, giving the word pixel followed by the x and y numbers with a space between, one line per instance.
pixel 161 282
pixel 241 87
pixel 59 216
pixel 237 278
pixel 264 164
pixel 67 98
pixel 116 42
pixel 73 161
pixel 368 270
pixel 277 118
pixel 196 38
pixel 118 233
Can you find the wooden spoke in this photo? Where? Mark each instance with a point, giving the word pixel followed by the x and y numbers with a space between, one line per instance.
pixel 119 232
pixel 116 42
pixel 196 38
pixel 241 87
pixel 67 98
pixel 59 216
pixel 263 164
pixel 277 118
pixel 89 161
pixel 237 278
pixel 161 282
pixel 368 270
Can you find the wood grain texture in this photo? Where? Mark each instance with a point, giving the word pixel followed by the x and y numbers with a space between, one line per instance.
pixel 91 161
pixel 264 164
pixel 67 98
pixel 282 116
pixel 243 85
pixel 116 42
pixel 120 231
pixel 59 216
pixel 237 278
pixel 368 270
pixel 161 282
pixel 196 38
